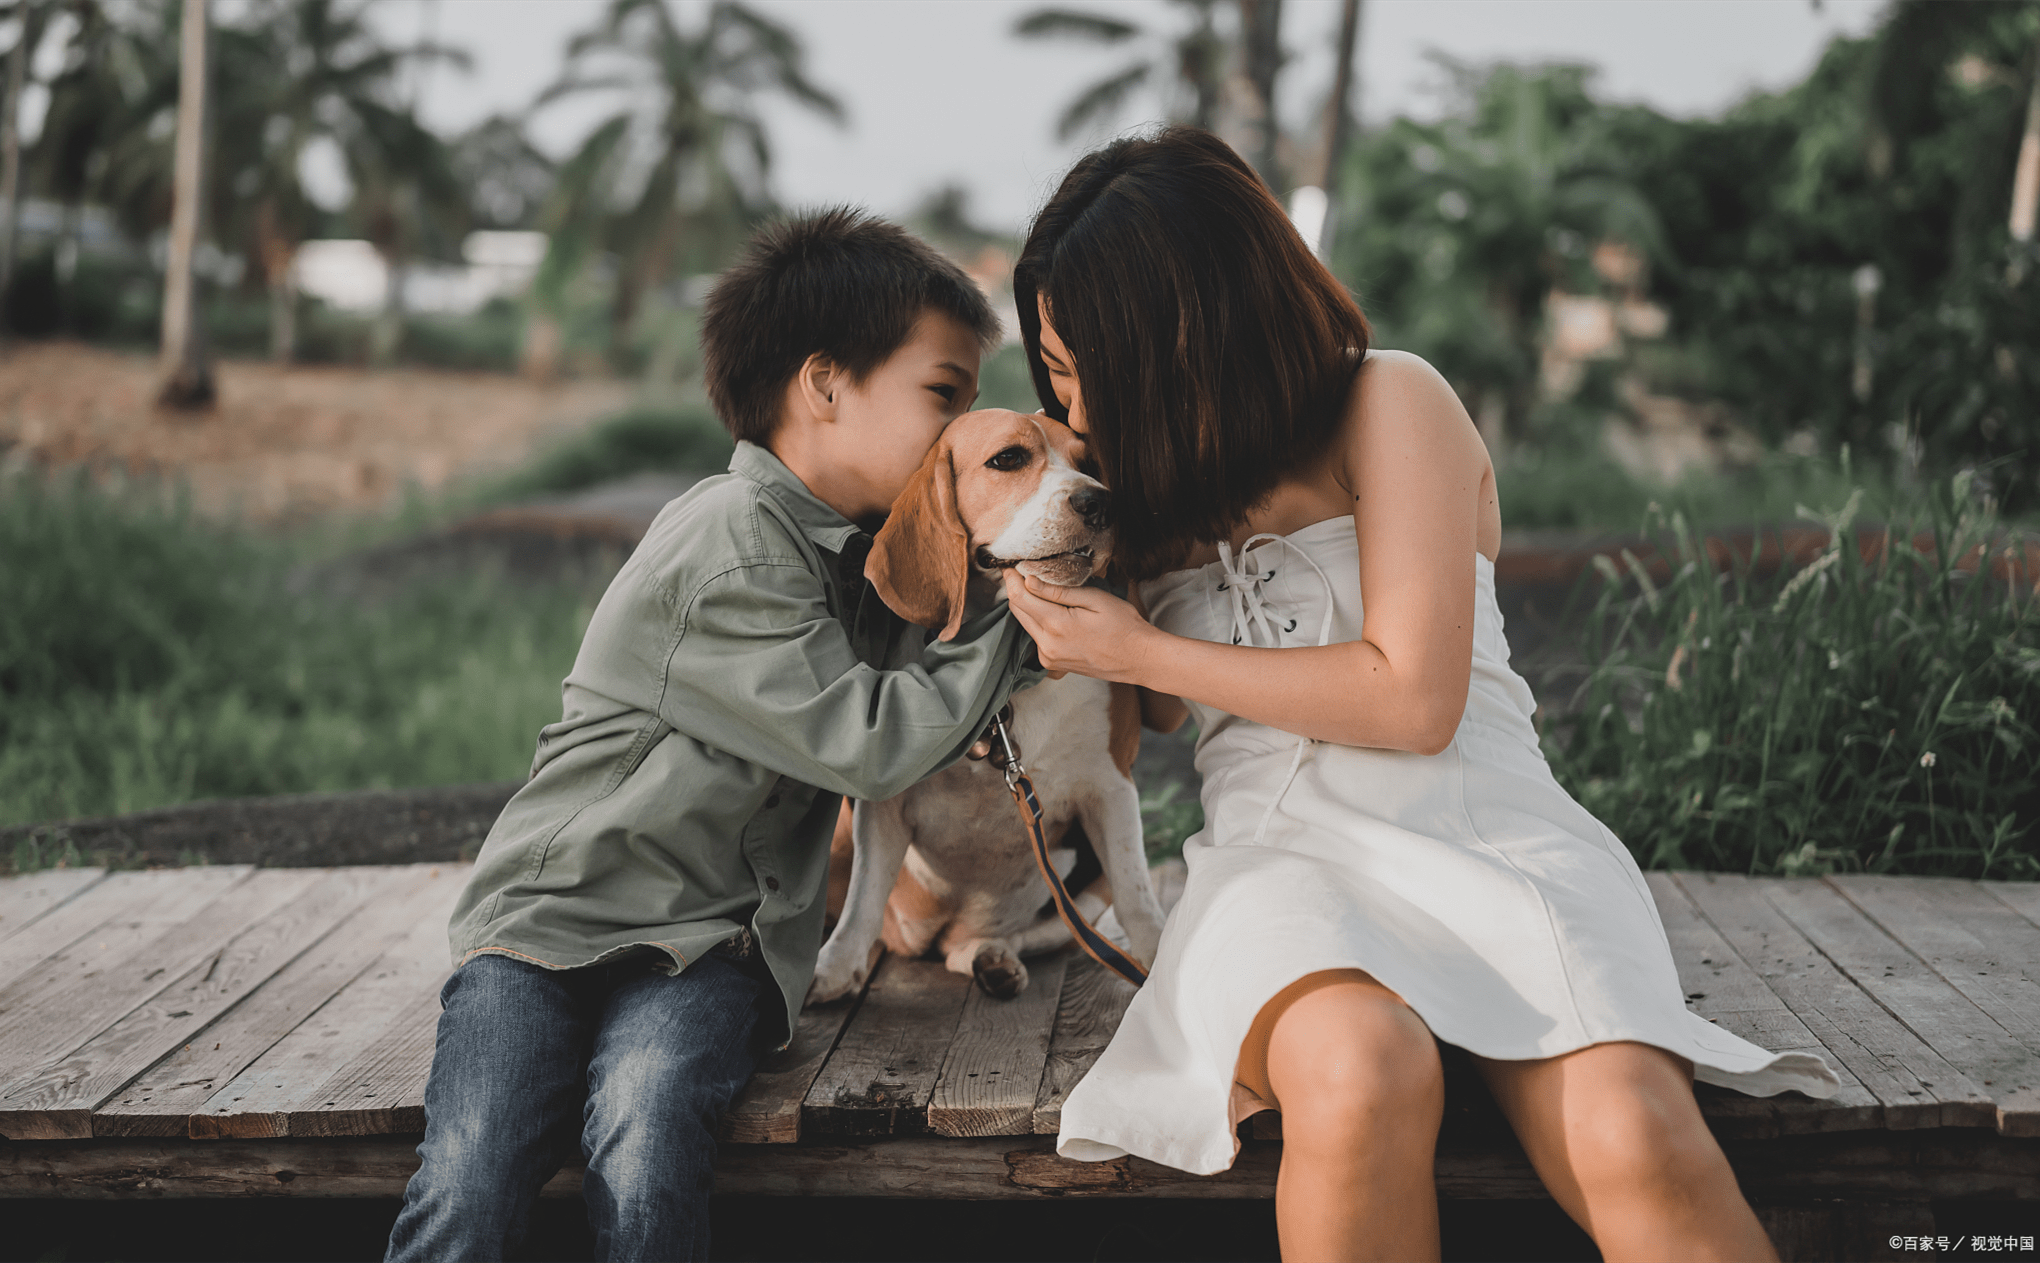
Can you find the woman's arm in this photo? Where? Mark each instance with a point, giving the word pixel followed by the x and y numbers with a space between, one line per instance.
pixel 1418 471
pixel 1159 712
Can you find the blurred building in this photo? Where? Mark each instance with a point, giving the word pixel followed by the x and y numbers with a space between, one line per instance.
pixel 352 275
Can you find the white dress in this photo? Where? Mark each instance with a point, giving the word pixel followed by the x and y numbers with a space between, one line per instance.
pixel 1468 882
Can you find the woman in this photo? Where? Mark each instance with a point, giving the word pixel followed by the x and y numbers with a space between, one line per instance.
pixel 1386 857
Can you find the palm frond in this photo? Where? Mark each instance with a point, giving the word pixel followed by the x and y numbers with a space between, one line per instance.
pixel 1073 24
pixel 1101 99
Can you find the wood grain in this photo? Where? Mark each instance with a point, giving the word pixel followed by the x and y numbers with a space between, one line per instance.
pixel 1088 1012
pixel 1916 1086
pixel 25 898
pixel 1995 1066
pixel 382 1091
pixel 160 1102
pixel 119 912
pixel 991 1075
pixel 767 1111
pixel 2022 897
pixel 882 1074
pixel 54 1100
pixel 1945 1164
pixel 88 987
pixel 1985 951
pixel 1723 987
pixel 260 1100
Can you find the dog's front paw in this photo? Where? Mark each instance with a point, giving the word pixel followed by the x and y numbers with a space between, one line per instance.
pixel 838 972
pixel 999 971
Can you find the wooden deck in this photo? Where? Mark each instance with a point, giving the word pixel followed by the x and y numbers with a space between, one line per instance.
pixel 231 1031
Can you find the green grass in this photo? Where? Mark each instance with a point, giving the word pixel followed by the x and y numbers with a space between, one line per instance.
pixel 641 438
pixel 1852 716
pixel 1587 490
pixel 148 658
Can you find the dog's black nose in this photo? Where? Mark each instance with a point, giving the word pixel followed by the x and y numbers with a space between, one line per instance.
pixel 1093 504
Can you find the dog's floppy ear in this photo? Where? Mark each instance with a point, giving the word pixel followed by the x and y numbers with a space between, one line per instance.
pixel 920 559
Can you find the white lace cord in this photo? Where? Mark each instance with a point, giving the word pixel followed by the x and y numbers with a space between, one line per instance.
pixel 1250 611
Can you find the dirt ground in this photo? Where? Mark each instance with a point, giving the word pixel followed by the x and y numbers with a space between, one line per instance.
pixel 283 444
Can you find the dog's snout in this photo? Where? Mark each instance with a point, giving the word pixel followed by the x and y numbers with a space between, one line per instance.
pixel 1093 504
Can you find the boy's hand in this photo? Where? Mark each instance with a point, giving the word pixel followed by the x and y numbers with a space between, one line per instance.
pixel 1083 630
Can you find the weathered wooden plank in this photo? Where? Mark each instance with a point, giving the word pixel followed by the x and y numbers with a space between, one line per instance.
pixel 83 990
pixel 260 1100
pixel 1944 1164
pixel 124 909
pixel 1088 1012
pixel 25 898
pixel 991 1076
pixel 382 1091
pixel 879 1079
pixel 1980 948
pixel 1723 987
pixel 1996 1065
pixel 1784 935
pixel 2022 897
pixel 161 1102
pixel 54 1100
pixel 767 1111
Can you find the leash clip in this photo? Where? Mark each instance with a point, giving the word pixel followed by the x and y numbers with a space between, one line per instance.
pixel 1011 765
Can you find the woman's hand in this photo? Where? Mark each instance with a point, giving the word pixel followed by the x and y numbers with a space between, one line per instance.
pixel 1079 629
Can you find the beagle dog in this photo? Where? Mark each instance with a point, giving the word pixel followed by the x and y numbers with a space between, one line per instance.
pixel 947 866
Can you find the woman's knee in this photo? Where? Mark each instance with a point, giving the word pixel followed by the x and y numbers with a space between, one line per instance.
pixel 1349 1060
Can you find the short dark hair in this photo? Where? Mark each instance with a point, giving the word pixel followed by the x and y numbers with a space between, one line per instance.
pixel 1214 350
pixel 838 282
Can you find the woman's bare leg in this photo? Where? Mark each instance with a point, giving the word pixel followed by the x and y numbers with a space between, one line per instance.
pixel 1357 1078
pixel 1617 1137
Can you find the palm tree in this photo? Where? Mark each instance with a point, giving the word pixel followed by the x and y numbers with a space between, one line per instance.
pixel 186 366
pixel 1188 68
pixel 33 18
pixel 304 72
pixel 690 128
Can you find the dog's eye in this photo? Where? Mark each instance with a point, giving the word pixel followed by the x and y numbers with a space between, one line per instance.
pixel 1010 459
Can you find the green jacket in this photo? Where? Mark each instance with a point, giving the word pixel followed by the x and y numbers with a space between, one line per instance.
pixel 737 680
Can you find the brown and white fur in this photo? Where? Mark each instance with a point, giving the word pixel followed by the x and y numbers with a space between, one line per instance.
pixel 947 865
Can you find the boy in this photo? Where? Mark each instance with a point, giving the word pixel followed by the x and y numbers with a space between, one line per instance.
pixel 644 917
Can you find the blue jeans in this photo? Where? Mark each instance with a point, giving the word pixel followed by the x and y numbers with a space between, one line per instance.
pixel 635 1064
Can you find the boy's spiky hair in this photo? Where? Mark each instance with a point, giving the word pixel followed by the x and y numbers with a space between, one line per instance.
pixel 839 282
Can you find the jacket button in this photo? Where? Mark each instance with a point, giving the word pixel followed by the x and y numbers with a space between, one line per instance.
pixel 771 883
pixel 772 801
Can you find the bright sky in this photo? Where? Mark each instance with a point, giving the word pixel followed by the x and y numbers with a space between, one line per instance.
pixel 940 92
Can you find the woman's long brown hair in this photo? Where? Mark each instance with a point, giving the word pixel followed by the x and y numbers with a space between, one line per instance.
pixel 1214 350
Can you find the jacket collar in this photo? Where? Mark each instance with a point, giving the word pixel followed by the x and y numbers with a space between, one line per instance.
pixel 820 523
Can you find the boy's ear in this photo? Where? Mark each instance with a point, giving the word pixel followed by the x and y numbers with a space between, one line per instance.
pixel 920 559
pixel 817 381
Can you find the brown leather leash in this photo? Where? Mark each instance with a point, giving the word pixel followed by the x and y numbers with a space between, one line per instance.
pixel 1096 945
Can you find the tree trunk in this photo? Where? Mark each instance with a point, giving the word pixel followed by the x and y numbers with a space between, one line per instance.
pixel 539 358
pixel 32 19
pixel 1261 48
pixel 2026 181
pixel 278 255
pixel 187 371
pixel 1340 128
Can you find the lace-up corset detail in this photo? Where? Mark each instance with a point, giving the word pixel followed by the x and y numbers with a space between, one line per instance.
pixel 1256 618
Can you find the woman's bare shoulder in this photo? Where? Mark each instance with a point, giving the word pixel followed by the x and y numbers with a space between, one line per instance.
pixel 1402 378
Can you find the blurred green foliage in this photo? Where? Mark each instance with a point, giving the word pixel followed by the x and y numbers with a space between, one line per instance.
pixel 148 658
pixel 639 439
pixel 1850 715
pixel 1889 169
